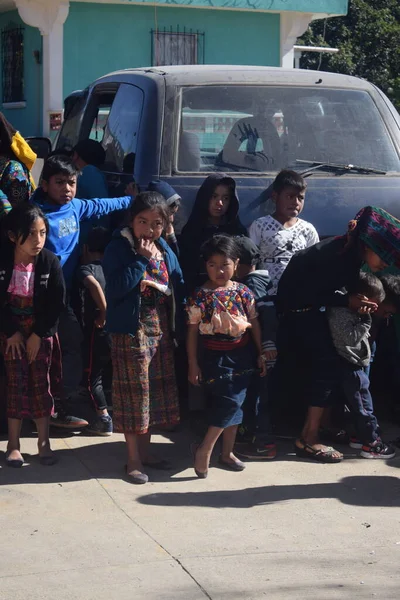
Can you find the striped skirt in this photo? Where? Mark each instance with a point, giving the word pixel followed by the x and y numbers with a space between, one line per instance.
pixel 144 389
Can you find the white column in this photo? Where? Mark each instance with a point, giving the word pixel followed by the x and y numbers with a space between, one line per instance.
pixel 49 17
pixel 293 25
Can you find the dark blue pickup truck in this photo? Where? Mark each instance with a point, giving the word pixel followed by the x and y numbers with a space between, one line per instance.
pixel 182 123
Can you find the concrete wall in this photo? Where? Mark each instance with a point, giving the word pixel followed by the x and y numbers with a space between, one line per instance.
pixel 102 38
pixel 29 119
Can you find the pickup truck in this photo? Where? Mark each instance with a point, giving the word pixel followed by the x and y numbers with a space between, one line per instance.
pixel 180 123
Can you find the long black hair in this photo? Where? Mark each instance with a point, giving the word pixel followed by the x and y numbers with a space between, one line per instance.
pixel 19 222
pixel 149 201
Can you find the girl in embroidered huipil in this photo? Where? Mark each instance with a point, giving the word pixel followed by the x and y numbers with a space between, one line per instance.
pixel 31 300
pixel 222 312
pixel 144 291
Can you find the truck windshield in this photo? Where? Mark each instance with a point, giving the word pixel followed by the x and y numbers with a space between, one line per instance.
pixel 264 129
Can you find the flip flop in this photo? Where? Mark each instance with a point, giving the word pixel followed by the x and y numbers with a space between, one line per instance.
pixel 322 456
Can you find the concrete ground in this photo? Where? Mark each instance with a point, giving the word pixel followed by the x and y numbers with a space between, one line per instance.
pixel 279 530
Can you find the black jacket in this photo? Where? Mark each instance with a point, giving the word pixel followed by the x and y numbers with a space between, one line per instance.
pixel 198 229
pixel 48 295
pixel 314 276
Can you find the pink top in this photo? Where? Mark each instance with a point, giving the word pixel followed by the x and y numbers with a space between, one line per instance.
pixel 22 280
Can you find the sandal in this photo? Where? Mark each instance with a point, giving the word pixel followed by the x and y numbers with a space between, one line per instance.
pixel 323 456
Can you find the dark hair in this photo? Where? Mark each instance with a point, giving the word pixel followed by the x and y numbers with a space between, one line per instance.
pixel 59 164
pixel 288 178
pixel 20 220
pixel 368 285
pixel 91 152
pixel 249 253
pixel 220 244
pixel 149 201
pixel 391 285
pixel 98 239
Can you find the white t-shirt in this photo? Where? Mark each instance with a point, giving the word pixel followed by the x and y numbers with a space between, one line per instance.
pixel 277 244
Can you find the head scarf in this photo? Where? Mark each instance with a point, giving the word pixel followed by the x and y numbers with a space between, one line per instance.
pixel 378 230
pixel 13 145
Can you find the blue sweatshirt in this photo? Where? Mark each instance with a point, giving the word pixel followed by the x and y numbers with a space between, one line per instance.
pixel 64 225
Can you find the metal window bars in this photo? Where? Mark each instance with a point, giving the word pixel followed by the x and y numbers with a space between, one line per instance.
pixel 177 47
pixel 12 59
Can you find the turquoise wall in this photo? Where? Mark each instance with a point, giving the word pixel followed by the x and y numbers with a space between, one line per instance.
pixel 101 38
pixel 333 7
pixel 27 120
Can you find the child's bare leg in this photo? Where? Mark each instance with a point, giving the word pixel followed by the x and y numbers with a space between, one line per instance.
pixel 228 441
pixel 134 463
pixel 42 426
pixel 14 433
pixel 204 451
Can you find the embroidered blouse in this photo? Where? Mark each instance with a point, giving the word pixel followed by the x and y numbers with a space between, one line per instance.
pixel 223 311
pixel 22 280
pixel 156 280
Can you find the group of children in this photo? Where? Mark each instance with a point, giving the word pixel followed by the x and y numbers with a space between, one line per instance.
pixel 257 308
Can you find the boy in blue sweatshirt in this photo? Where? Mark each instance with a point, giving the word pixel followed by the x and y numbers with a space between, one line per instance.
pixel 56 198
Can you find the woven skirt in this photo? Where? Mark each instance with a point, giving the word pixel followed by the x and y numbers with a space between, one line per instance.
pixel 144 389
pixel 29 394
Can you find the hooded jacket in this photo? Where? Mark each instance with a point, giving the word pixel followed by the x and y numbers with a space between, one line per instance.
pixel 198 229
pixel 124 269
pixel 64 225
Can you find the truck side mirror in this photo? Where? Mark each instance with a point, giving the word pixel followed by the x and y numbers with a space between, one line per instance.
pixel 40 145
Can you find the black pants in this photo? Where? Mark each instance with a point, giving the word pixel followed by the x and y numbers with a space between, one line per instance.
pixel 70 334
pixel 97 364
pixel 256 417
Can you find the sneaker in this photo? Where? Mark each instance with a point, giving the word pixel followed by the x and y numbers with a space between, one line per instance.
pixel 256 451
pixel 355 443
pixel 378 449
pixel 62 420
pixel 103 425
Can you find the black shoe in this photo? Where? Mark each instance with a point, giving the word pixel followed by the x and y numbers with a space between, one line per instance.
pixel 62 420
pixel 378 449
pixel 103 426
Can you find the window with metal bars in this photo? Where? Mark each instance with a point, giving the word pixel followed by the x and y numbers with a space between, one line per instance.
pixel 175 47
pixel 12 60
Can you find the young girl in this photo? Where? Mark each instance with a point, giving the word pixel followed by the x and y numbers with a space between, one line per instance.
pixel 216 210
pixel 222 312
pixel 31 300
pixel 144 292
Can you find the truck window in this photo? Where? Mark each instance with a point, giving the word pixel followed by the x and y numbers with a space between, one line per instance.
pixel 264 129
pixel 69 134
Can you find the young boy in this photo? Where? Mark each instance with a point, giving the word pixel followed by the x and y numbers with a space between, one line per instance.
pixel 350 332
pixel 253 440
pixel 96 342
pixel 173 201
pixel 280 235
pixel 56 197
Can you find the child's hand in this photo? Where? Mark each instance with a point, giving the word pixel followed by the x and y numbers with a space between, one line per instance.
pixel 194 375
pixel 262 365
pixel 15 345
pixel 32 347
pixel 145 248
pixel 361 304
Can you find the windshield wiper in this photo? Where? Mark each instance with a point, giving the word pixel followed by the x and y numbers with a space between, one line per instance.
pixel 315 165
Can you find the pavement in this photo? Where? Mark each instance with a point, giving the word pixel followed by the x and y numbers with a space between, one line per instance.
pixel 283 529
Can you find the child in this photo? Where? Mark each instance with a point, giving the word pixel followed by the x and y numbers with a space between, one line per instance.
pixel 96 342
pixel 56 198
pixel 216 210
pixel 88 156
pixel 253 436
pixel 221 312
pixel 31 300
pixel 280 235
pixel 310 283
pixel 173 201
pixel 144 292
pixel 350 330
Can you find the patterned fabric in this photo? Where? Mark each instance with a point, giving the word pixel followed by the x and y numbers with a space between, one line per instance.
pixel 380 231
pixel 277 244
pixel 144 389
pixel 15 184
pixel 157 279
pixel 223 311
pixel 28 385
pixel 22 280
